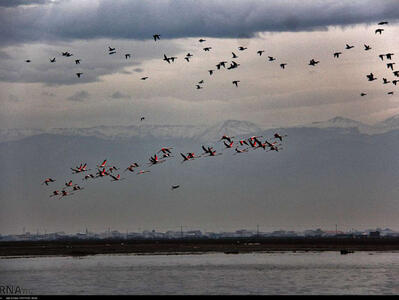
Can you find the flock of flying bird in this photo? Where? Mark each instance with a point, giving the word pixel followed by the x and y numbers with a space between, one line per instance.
pixel 254 142
pixel 105 170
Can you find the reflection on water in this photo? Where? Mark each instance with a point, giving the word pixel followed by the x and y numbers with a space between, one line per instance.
pixel 220 274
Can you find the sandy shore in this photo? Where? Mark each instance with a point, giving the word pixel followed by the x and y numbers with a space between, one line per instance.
pixel 186 246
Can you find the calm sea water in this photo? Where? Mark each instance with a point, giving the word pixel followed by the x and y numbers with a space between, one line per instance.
pixel 207 274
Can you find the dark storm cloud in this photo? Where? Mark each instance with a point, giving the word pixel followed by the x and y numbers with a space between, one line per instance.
pixel 12 3
pixel 137 19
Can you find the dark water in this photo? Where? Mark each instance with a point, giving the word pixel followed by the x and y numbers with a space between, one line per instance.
pixel 207 274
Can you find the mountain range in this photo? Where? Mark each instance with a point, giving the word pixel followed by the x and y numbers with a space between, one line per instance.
pixel 197 132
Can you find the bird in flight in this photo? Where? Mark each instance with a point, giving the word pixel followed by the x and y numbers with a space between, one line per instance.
pixel 390 66
pixel 379 30
pixel 77 61
pixel 381 56
pixel 127 55
pixel 198 87
pixel 144 78
pixel 47 180
pixel 349 47
pixel 241 48
pixel 111 49
pixel 271 58
pixel 236 82
pixel 210 72
pixel 283 65
pixel 337 54
pixel 175 187
pixel 234 55
pixel 367 47
pixel 79 74
pixel 371 77
pixel 390 93
pixel 142 118
pixel 28 60
pixel 389 55
pixel 207 48
pixel 363 94
pixel 52 59
pixel 385 81
pixel 383 23
pixel 156 37
pixel 313 62
pixel 260 52
pixel 201 40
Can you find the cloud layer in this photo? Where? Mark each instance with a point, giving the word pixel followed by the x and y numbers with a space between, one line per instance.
pixel 138 19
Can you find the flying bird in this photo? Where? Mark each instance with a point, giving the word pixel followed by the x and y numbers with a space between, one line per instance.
pixel 389 55
pixel 127 55
pixel 379 30
pixel 383 23
pixel 313 62
pixel 236 82
pixel 79 74
pixel 111 49
pixel 241 48
pixel 371 77
pixel 156 37
pixel 234 55
pixel 210 72
pixel 367 47
pixel 28 60
pixel 260 52
pixel 201 40
pixel 77 61
pixel 385 81
pixel 271 58
pixel 47 180
pixel 144 78
pixel 363 94
pixel 337 54
pixel 52 60
pixel 175 187
pixel 349 47
pixel 283 65
pixel 207 48
pixel 390 66
pixel 390 93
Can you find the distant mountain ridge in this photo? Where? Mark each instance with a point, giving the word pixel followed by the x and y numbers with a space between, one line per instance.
pixel 199 132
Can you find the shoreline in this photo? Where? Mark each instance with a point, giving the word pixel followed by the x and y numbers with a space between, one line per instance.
pixel 78 248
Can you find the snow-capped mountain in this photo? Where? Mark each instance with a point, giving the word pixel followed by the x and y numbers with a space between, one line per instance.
pixel 198 132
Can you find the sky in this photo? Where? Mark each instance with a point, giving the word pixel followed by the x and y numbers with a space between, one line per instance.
pixel 43 94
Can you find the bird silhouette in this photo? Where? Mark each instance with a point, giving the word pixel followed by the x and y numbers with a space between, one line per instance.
pixel 111 49
pixel 79 74
pixel 77 61
pixel 260 52
pixel 379 30
pixel 201 40
pixel 236 82
pixel 271 58
pixel 283 65
pixel 363 94
pixel 144 78
pixel 337 54
pixel 390 66
pixel 210 72
pixel 207 48
pixel 234 55
pixel 385 81
pixel 156 37
pixel 127 55
pixel 371 77
pixel 349 47
pixel 52 60
pixel 389 55
pixel 241 48
pixel 313 62
pixel 367 47
pixel 383 23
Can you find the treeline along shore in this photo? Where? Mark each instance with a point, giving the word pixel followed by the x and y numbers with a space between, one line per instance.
pixel 76 247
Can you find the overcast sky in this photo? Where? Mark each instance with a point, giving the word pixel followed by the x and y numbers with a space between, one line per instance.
pixel 41 94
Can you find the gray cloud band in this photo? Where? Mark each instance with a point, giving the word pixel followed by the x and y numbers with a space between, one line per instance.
pixel 136 19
